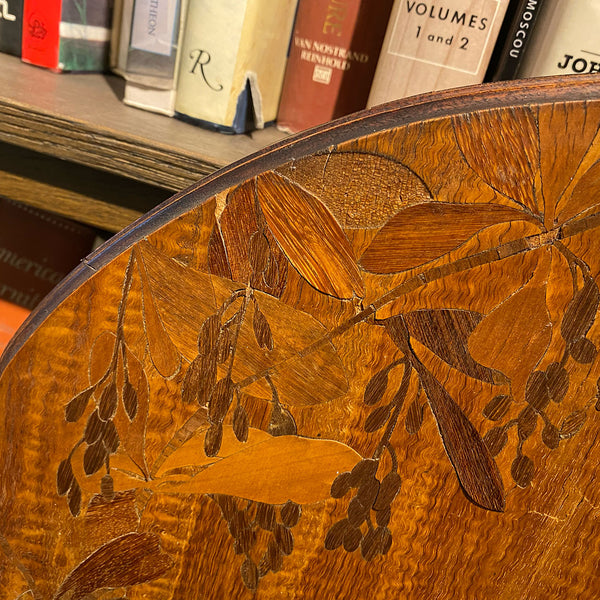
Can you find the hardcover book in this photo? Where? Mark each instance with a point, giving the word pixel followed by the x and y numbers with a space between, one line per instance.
pixel 332 59
pixel 11 25
pixel 37 250
pixel 566 42
pixel 233 61
pixel 431 46
pixel 67 35
pixel 152 58
pixel 513 39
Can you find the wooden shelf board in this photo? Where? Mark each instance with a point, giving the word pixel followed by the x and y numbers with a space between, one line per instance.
pixel 81 118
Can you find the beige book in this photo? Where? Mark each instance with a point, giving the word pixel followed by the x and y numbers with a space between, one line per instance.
pixel 233 61
pixel 566 41
pixel 435 45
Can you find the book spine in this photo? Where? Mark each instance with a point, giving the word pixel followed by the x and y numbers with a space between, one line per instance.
pixel 333 54
pixel 41 24
pixel 27 270
pixel 210 47
pixel 431 46
pixel 153 55
pixel 233 61
pixel 153 42
pixel 512 46
pixel 124 36
pixel 11 26
pixel 565 41
pixel 85 29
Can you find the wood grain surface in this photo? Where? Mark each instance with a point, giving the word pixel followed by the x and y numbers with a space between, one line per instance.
pixel 362 364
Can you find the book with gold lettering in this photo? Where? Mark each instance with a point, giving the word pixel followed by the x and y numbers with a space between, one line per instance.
pixel 333 55
pixel 232 62
pixel 436 45
pixel 37 250
pixel 566 41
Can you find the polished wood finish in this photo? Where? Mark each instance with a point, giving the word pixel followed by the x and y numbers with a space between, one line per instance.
pixel 363 363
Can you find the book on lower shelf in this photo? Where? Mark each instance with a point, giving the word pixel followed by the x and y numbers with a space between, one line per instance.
pixel 11 26
pixel 233 60
pixel 566 40
pixel 67 35
pixel 37 250
pixel 333 55
pixel 431 46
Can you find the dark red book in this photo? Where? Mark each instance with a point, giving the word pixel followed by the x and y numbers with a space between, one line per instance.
pixel 332 59
pixel 37 250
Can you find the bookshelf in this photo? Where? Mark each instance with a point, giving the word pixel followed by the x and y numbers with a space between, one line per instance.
pixel 68 144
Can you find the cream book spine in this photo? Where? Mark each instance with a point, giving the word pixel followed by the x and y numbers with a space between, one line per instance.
pixel 234 54
pixel 436 45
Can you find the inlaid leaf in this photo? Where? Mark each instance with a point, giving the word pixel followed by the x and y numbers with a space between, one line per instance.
pixel 414 417
pixel 446 332
pixel 309 236
pixel 64 477
pixel 109 400
pixel 522 470
pixel 362 189
pixel 189 300
pixel 217 255
pixel 163 351
pixel 240 423
pixel 421 233
pixel 220 399
pixel 514 336
pixel 497 407
pixel 476 469
pixel 262 330
pixel 124 561
pixel 243 236
pixel 512 139
pixel 377 418
pixel 130 400
pixel 376 387
pixel 581 311
pixel 192 379
pixel 495 440
pixel 572 423
pixel 267 469
pixel 94 457
pixel 76 407
pixel 74 499
pixel 281 422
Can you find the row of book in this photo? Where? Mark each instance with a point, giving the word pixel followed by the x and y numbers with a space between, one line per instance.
pixel 235 65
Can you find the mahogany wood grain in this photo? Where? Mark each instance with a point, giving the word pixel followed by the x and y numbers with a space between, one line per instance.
pixel 362 363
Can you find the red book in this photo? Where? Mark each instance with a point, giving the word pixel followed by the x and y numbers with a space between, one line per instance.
pixel 66 34
pixel 41 25
pixel 333 54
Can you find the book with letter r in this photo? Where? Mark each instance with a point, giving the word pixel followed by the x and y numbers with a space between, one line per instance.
pixel 232 62
pixel 433 46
